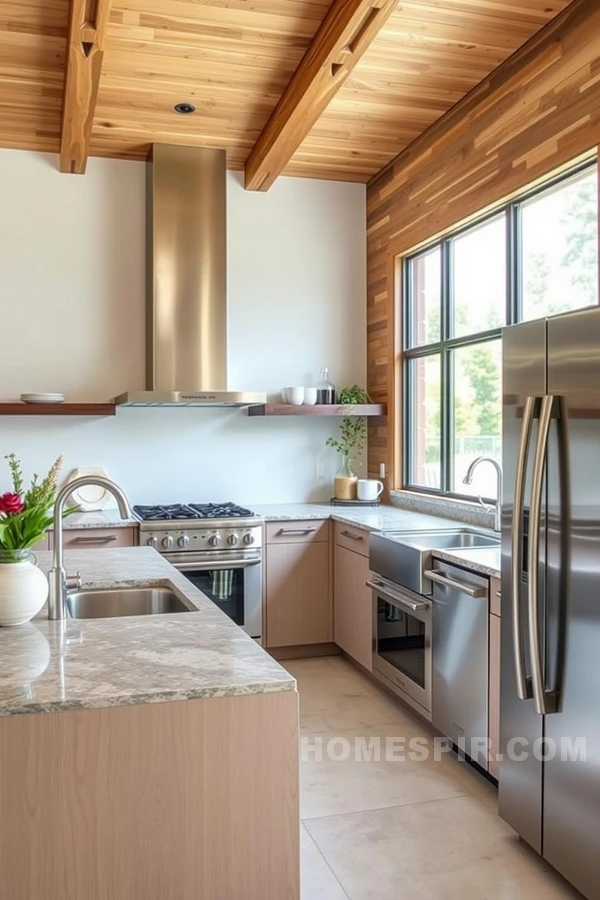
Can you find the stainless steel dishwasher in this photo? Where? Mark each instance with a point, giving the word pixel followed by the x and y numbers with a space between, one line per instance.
pixel 460 658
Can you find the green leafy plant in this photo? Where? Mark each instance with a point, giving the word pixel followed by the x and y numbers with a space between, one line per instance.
pixel 353 430
pixel 25 515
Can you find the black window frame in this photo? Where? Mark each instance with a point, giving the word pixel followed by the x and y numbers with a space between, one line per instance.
pixel 447 343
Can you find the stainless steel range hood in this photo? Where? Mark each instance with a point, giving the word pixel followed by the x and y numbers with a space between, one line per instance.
pixel 186 332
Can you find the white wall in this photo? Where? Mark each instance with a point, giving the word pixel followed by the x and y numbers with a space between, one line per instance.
pixel 72 318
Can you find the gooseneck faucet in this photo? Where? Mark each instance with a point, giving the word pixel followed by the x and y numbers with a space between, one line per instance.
pixel 469 478
pixel 60 582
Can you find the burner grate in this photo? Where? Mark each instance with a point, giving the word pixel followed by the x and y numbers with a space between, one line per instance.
pixel 177 511
pixel 220 511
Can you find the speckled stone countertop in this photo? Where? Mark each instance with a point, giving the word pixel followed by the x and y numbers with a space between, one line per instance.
pixel 483 560
pixel 374 518
pixel 101 518
pixel 85 663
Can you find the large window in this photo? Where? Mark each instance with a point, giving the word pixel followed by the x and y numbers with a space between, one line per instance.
pixel 535 257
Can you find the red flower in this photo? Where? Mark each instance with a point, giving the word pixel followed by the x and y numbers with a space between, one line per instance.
pixel 11 504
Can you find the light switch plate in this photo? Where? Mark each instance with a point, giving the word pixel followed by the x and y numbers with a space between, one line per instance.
pixel 320 470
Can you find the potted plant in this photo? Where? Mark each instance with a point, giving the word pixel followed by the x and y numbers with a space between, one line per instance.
pixel 350 444
pixel 25 515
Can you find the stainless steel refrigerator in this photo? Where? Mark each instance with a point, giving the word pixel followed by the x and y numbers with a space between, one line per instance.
pixel 550 681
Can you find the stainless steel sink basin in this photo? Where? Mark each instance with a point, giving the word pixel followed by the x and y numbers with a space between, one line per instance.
pixel 119 602
pixel 451 540
pixel 403 556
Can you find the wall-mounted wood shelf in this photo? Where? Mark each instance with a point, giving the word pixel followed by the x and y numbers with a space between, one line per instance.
pixel 285 409
pixel 57 409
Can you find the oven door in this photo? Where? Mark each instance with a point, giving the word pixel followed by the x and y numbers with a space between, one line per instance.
pixel 402 643
pixel 232 581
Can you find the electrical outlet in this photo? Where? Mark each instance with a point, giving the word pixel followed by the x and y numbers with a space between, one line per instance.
pixel 320 470
pixel 382 470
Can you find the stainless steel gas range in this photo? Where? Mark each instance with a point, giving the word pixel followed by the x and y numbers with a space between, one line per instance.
pixel 218 547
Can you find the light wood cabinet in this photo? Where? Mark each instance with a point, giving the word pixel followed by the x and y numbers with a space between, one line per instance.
pixel 352 538
pixel 96 538
pixel 494 694
pixel 353 605
pixel 298 584
pixel 160 801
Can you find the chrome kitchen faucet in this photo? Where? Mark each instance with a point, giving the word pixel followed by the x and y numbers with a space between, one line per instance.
pixel 60 582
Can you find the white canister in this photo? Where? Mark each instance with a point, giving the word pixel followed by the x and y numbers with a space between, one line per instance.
pixel 369 489
pixel 23 592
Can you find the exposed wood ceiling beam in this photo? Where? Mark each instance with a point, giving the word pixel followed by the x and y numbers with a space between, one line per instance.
pixel 347 30
pixel 88 23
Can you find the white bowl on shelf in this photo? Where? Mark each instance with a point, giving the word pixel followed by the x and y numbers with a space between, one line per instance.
pixel 43 398
pixel 310 396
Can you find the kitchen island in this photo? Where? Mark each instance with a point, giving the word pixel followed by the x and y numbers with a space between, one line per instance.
pixel 145 757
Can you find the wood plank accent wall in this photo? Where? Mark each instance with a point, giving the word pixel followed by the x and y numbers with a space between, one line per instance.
pixel 533 115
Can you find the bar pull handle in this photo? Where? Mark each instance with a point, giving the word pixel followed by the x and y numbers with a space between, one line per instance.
pixel 353 537
pixel 545 701
pixel 455 585
pixel 296 530
pixel 401 602
pixel 524 687
pixel 99 539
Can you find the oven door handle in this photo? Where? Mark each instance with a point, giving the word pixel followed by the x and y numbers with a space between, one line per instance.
pixel 206 566
pixel 403 602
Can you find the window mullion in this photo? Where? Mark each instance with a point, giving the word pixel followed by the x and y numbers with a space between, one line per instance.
pixel 445 360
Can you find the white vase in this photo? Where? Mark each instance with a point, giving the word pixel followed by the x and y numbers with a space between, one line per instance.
pixel 23 591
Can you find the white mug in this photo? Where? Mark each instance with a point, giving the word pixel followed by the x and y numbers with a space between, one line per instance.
pixel 310 396
pixel 368 489
pixel 296 396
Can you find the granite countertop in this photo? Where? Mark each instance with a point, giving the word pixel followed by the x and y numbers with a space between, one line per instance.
pixel 483 560
pixel 374 518
pixel 82 664
pixel 100 518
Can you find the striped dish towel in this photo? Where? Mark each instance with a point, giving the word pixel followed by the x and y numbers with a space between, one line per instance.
pixel 221 583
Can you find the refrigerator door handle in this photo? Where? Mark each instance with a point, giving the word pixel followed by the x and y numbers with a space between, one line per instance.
pixel 545 701
pixel 524 687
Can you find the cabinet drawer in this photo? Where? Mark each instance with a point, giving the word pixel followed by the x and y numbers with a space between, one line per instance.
pixel 352 538
pixel 495 600
pixel 301 532
pixel 96 538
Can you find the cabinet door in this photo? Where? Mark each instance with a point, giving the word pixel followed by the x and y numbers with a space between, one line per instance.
pixel 494 698
pixel 353 606
pixel 299 608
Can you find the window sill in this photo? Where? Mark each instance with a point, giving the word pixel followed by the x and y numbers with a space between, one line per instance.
pixel 450 508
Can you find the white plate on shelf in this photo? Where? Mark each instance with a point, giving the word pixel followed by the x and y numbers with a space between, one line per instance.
pixel 90 497
pixel 43 398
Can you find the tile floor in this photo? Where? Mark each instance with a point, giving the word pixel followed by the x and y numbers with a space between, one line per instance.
pixel 410 830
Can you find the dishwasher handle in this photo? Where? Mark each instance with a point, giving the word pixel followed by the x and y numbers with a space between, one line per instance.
pixel 455 585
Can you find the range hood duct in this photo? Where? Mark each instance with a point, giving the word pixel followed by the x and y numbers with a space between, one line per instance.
pixel 186 282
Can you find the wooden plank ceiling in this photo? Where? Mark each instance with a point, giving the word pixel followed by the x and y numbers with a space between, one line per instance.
pixel 233 59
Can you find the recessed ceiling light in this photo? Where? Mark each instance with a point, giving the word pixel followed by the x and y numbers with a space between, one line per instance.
pixel 184 108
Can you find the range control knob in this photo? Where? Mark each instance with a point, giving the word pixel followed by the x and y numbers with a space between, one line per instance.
pixel 167 541
pixel 183 540
pixel 233 539
pixel 248 539
pixel 214 540
pixel 152 542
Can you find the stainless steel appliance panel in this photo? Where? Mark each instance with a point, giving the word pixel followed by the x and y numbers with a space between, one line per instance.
pixel 402 643
pixel 460 658
pixel 524 378
pixel 571 787
pixel 187 315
